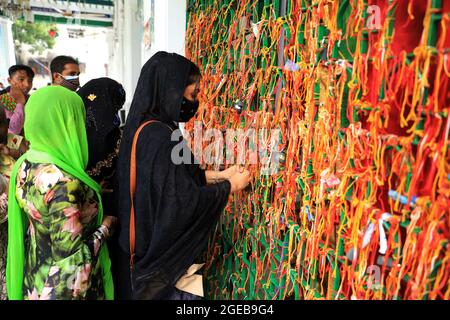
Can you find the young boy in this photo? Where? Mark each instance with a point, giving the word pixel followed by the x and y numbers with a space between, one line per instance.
pixel 13 98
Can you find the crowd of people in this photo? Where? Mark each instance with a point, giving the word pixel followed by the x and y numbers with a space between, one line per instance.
pixel 90 209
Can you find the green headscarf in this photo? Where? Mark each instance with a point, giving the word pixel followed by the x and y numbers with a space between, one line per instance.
pixel 58 138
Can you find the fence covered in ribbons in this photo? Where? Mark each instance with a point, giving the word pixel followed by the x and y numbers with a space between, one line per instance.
pixel 358 92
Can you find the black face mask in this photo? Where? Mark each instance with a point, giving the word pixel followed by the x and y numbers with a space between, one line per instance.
pixel 70 82
pixel 187 110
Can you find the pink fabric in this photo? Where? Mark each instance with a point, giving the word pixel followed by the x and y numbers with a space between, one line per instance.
pixel 16 119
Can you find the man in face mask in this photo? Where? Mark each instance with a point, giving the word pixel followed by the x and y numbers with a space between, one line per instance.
pixel 65 72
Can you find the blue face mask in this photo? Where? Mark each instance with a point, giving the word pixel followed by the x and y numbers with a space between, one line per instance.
pixel 70 78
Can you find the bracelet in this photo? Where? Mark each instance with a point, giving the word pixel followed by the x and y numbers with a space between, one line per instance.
pixel 104 230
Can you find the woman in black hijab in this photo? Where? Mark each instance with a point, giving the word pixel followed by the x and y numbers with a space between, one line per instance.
pixel 103 98
pixel 175 209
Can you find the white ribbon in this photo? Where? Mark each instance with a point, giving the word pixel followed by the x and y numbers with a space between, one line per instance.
pixel 371 228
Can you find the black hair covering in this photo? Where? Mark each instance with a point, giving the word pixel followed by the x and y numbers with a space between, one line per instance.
pixel 103 98
pixel 174 208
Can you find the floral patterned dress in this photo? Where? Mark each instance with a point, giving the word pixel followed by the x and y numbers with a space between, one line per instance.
pixel 62 244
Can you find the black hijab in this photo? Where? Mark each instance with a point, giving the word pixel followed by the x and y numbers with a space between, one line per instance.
pixel 103 98
pixel 174 208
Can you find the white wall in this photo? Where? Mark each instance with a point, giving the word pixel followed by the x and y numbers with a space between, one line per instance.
pixel 90 49
pixel 127 52
pixel 7 55
pixel 176 22
pixel 170 26
pixel 125 43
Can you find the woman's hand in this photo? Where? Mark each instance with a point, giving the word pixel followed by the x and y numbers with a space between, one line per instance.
pixel 239 180
pixel 238 176
pixel 231 171
pixel 109 222
pixel 4 150
pixel 104 187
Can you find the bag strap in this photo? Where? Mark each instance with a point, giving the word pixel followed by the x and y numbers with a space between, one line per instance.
pixel 133 191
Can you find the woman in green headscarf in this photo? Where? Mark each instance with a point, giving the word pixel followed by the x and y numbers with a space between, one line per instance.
pixel 56 228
